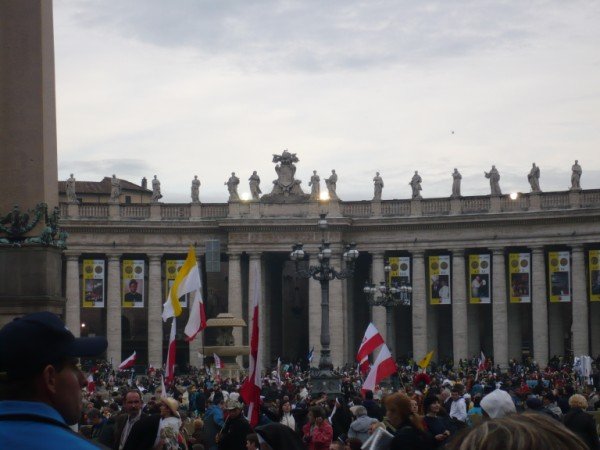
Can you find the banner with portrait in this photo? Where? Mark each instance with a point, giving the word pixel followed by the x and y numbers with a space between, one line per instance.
pixel 93 283
pixel 559 274
pixel 400 273
pixel 172 267
pixel 594 275
pixel 439 288
pixel 479 278
pixel 519 271
pixel 133 283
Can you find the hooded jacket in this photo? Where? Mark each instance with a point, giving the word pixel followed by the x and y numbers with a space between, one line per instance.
pixel 360 427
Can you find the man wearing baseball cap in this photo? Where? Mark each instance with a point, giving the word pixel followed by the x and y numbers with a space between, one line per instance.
pixel 41 382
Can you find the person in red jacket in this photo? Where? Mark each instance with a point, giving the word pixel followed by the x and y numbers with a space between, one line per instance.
pixel 317 433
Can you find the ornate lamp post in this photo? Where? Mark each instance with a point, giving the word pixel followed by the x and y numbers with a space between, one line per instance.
pixel 388 296
pixel 323 379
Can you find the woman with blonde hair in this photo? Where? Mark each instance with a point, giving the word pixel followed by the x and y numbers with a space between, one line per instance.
pixel 410 432
pixel 580 422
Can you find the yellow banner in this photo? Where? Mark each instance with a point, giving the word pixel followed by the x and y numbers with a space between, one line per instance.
pixel 559 274
pixel 439 287
pixel 93 283
pixel 133 283
pixel 479 278
pixel 173 267
pixel 519 269
pixel 594 265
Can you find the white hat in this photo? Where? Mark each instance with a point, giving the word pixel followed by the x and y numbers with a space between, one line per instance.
pixel 498 404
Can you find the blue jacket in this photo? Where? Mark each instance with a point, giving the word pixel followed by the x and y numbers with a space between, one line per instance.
pixel 34 425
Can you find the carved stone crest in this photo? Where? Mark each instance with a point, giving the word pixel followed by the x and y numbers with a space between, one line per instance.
pixel 286 188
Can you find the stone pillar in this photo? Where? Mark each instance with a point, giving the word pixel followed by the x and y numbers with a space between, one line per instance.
pixel 195 211
pixel 197 344
pixel 256 279
pixel 539 307
pixel 419 306
pixel 234 300
pixel 379 314
pixel 73 210
pixel 459 306
pixel 155 302
pixel 499 309
pixel 73 292
pixel 114 211
pixel 155 211
pixel 113 310
pixel 575 199
pixel 495 204
pixel 415 207
pixel 336 317
pixel 455 206
pixel 314 314
pixel 376 208
pixel 535 202
pixel 580 323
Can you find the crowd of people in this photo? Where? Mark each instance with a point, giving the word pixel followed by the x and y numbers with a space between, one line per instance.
pixel 469 405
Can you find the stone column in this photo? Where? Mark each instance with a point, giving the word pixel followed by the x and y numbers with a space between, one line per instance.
pixel 155 302
pixel 256 282
pixel 314 314
pixel 234 300
pixel 499 309
pixel 459 306
pixel 539 307
pixel 113 310
pixel 73 292
pixel 336 317
pixel 197 344
pixel 419 306
pixel 580 324
pixel 378 312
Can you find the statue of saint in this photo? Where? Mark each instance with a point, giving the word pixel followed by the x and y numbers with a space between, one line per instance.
pixel 315 186
pixel 232 187
pixel 156 195
pixel 456 179
pixel 377 186
pixel 254 185
pixel 115 189
pixel 534 178
pixel 494 177
pixel 415 184
pixel 576 176
pixel 71 195
pixel 331 184
pixel 195 190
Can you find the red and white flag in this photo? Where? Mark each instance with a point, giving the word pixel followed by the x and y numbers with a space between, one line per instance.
pixel 482 362
pixel 170 365
pixel 383 367
pixel 91 384
pixel 197 320
pixel 129 362
pixel 371 341
pixel 364 365
pixel 218 363
pixel 250 390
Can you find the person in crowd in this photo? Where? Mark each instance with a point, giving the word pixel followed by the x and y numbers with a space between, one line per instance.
pixel 410 432
pixel 581 423
pixel 475 414
pixel 497 404
pixel 41 383
pixel 252 442
pixel 361 426
pixel 170 423
pixel 214 421
pixel 233 435
pixel 434 424
pixel 317 434
pixel 275 436
pixel 458 407
pixel 287 418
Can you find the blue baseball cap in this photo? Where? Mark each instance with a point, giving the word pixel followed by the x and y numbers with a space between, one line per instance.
pixel 29 343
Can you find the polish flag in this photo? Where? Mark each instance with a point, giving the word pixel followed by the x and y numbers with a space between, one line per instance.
pixel 482 362
pixel 91 385
pixel 218 364
pixel 129 362
pixel 383 367
pixel 250 390
pixel 170 365
pixel 371 341
pixel 364 365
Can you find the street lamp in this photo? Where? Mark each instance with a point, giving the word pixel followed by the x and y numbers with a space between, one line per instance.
pixel 389 296
pixel 323 379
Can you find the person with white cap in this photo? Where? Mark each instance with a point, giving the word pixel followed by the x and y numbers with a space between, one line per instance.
pixel 233 435
pixel 497 404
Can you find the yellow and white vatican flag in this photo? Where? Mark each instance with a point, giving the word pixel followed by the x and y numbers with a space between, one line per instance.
pixel 186 282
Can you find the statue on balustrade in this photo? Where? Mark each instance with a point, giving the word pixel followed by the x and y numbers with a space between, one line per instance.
pixel 286 188
pixel 156 195
pixel 195 190
pixel 71 195
pixel 415 184
pixel 315 185
pixel 494 177
pixel 377 186
pixel 456 179
pixel 331 184
pixel 534 178
pixel 115 189
pixel 576 176
pixel 254 185
pixel 232 187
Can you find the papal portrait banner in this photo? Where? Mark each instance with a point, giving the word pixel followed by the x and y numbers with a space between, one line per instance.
pixel 133 283
pixel 93 283
pixel 594 275
pixel 439 287
pixel 479 278
pixel 559 275
pixel 172 267
pixel 519 271
pixel 400 273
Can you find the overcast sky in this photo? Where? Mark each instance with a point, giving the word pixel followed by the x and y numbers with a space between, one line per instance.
pixel 195 87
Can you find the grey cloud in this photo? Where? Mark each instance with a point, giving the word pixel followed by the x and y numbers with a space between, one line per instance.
pixel 107 167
